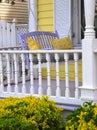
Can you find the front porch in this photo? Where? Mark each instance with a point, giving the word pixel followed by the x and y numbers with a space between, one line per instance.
pixel 17 80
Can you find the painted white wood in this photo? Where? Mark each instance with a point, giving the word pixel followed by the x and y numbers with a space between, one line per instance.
pixel 7 34
pixel 48 75
pixel 31 74
pixel 32 9
pixel 1 40
pixel 66 57
pixel 89 18
pixel 76 75
pixel 58 92
pixel 23 74
pixel 1 74
pixel 4 32
pixel 40 91
pixel 57 97
pixel 89 60
pixel 8 73
pixel 16 72
pixel 13 34
pixel 89 88
pixel 12 67
pixel 22 28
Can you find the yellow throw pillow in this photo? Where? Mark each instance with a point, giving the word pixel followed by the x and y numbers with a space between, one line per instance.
pixel 62 43
pixel 32 44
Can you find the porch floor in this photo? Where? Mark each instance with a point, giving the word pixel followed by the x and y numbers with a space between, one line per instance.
pixel 44 87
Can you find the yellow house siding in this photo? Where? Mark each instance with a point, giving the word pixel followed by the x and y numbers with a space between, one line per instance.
pixel 45 2
pixel 45 15
pixel 18 11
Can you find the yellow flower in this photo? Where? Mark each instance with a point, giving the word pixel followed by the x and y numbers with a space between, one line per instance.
pixel 95 110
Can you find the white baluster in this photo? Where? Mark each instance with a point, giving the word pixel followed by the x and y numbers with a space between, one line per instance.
pixel 40 77
pixel 58 92
pixel 76 74
pixel 8 72
pixel 23 74
pixel 11 68
pixel 16 73
pixel 19 65
pixel 48 75
pixel 31 74
pixel 1 74
pixel 67 91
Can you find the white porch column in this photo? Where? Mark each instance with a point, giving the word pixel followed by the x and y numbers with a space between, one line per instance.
pixel 89 43
pixel 89 6
pixel 32 9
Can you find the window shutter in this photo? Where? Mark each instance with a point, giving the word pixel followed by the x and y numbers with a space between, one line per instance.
pixel 62 17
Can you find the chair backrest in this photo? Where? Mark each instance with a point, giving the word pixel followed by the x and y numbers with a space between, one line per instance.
pixel 43 38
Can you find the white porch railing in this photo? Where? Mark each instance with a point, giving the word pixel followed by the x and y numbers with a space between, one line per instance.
pixel 20 82
pixel 8 37
pixel 22 28
pixel 7 34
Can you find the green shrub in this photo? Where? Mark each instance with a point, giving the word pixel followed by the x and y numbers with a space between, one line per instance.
pixel 30 113
pixel 83 118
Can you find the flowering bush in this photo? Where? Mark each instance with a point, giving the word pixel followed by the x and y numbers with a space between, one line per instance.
pixel 30 113
pixel 83 118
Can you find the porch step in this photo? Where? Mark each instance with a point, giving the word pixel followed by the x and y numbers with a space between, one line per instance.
pixel 68 107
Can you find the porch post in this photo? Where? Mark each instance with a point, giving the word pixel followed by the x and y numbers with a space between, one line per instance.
pixel 89 59
pixel 32 14
pixel 89 6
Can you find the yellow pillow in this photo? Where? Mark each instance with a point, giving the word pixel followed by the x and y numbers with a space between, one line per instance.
pixel 33 45
pixel 62 43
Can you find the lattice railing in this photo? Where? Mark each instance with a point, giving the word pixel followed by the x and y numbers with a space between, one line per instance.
pixel 22 28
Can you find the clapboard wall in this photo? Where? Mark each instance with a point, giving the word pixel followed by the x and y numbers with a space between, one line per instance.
pixel 45 15
pixel 19 11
